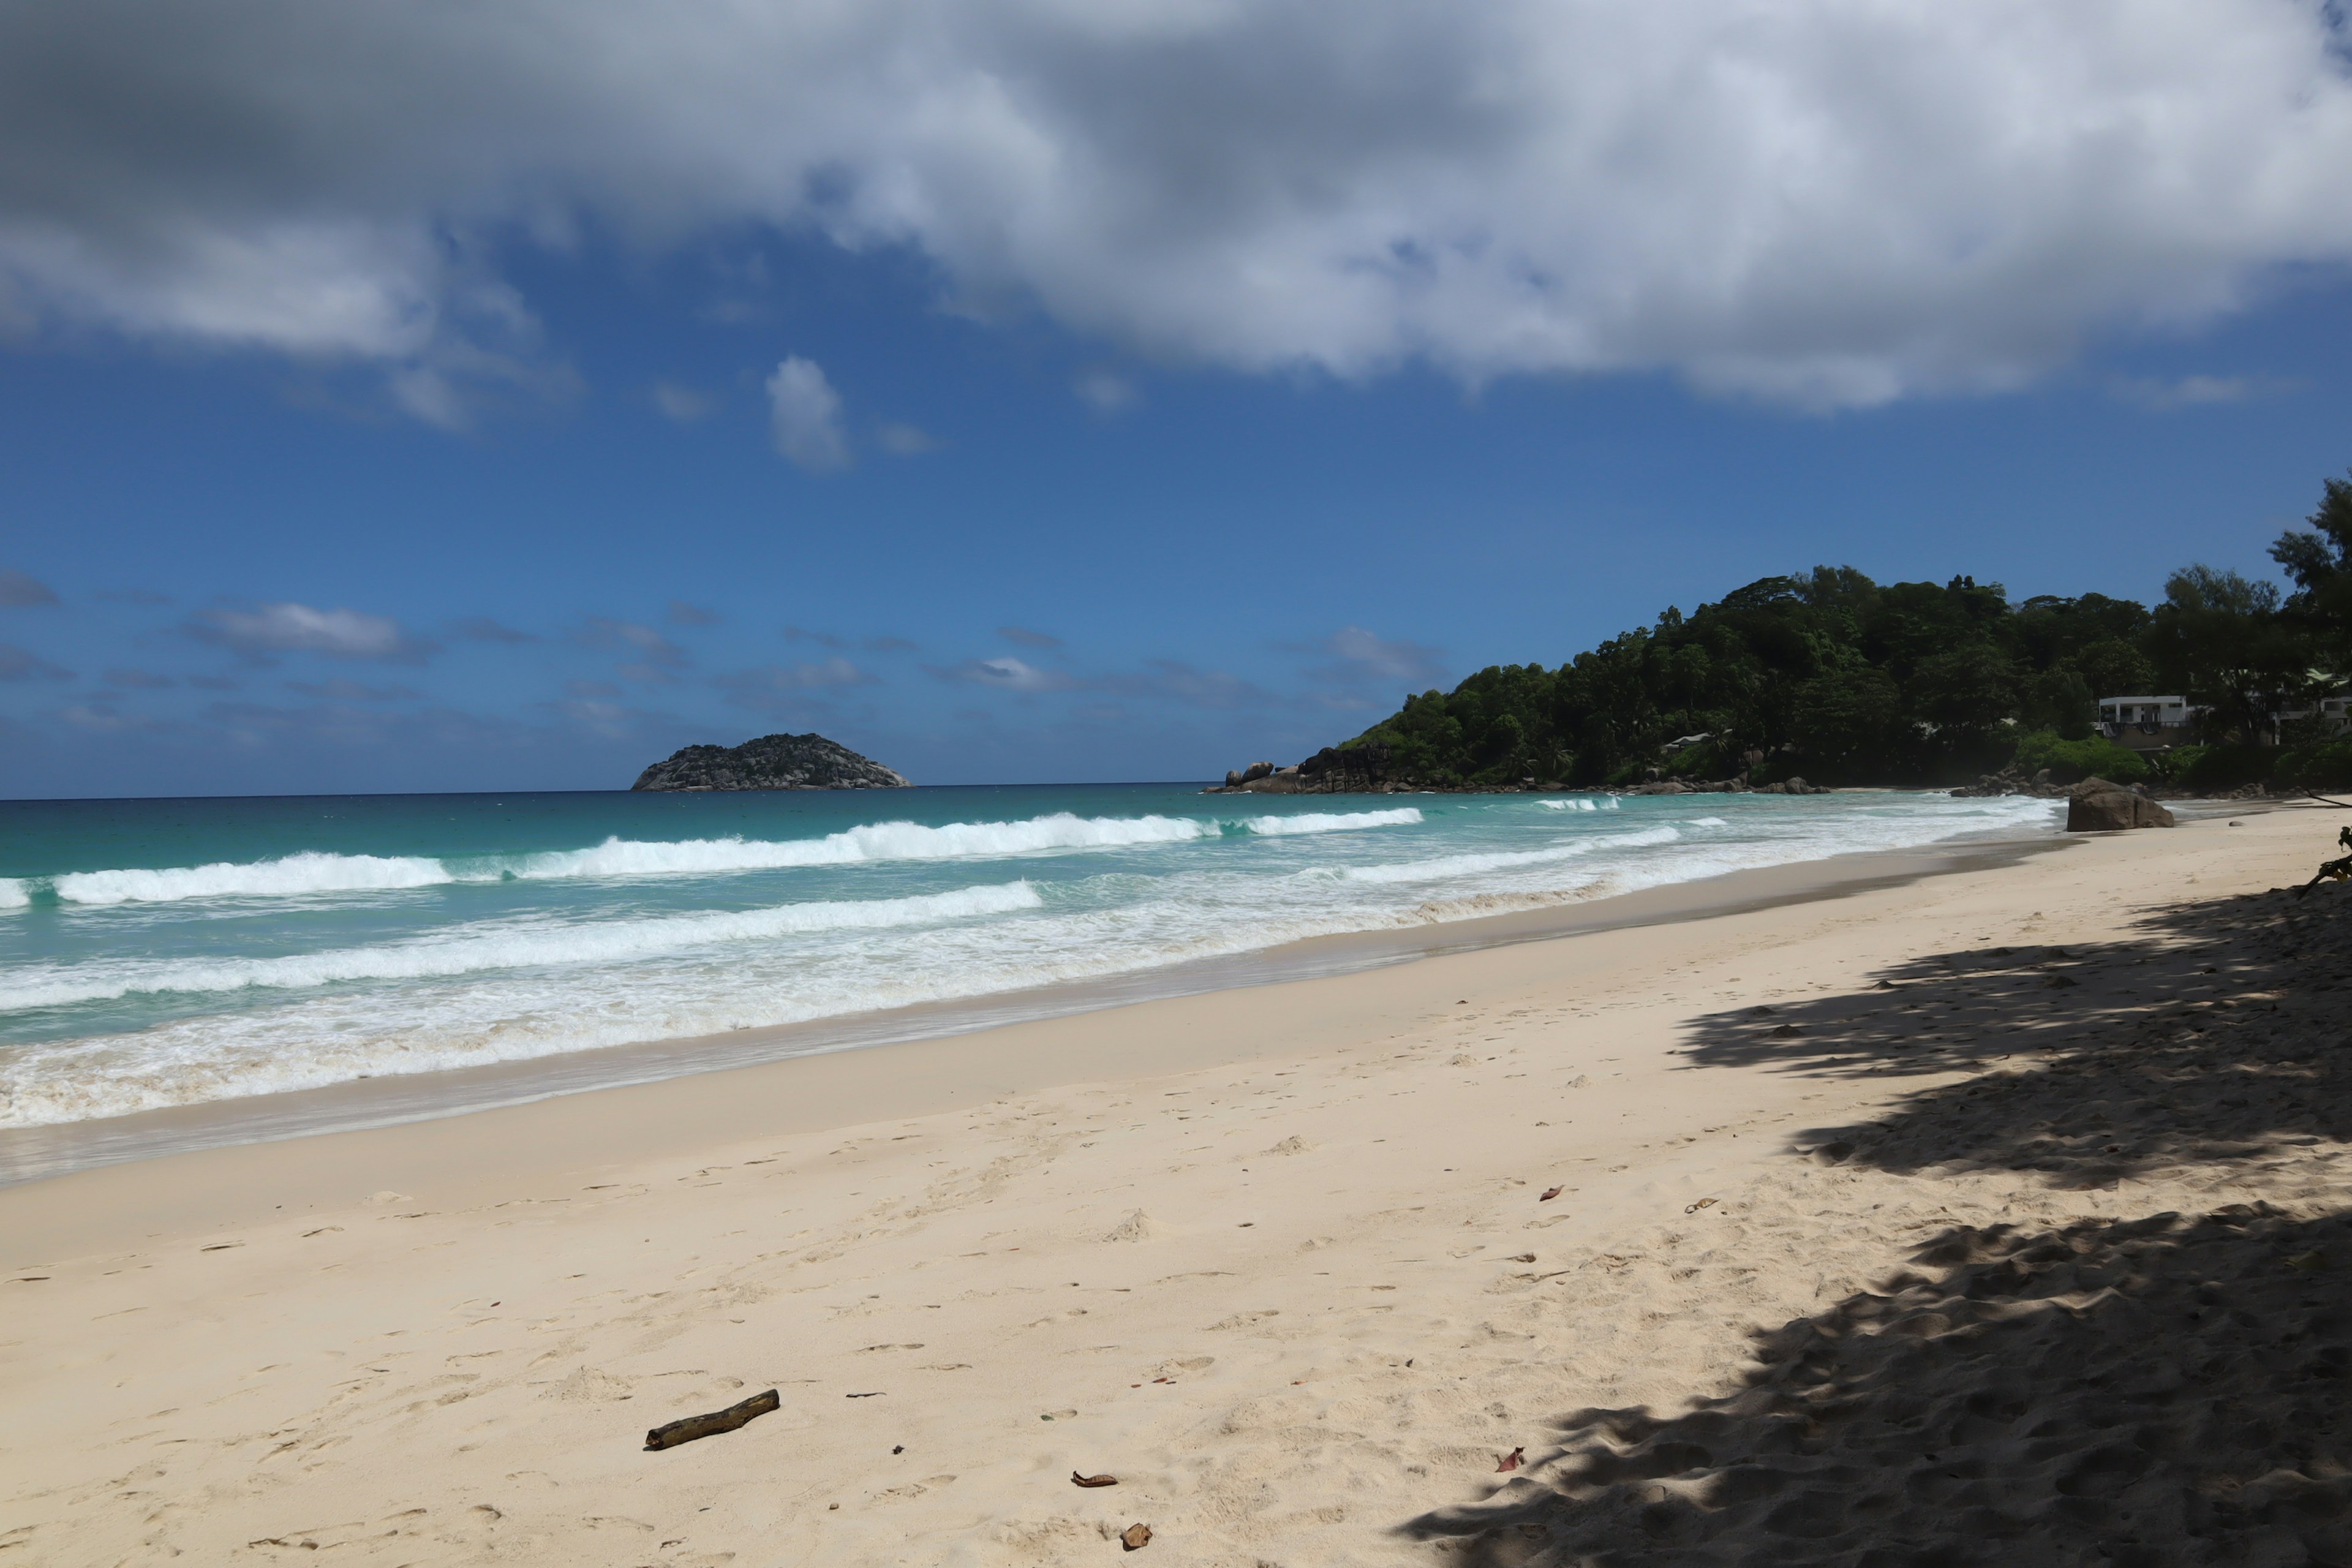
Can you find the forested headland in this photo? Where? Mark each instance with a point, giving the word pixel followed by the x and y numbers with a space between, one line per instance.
pixel 1841 679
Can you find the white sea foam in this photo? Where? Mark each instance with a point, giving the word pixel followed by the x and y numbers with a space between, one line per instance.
pixel 1708 822
pixel 595 942
pixel 1577 803
pixel 311 872
pixel 1331 821
pixel 1445 865
pixel 873 841
pixel 289 876
pixel 14 894
pixel 608 972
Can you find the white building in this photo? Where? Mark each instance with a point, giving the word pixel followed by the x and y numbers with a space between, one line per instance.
pixel 2147 723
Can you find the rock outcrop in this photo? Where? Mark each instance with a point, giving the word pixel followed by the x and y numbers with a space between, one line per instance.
pixel 2096 805
pixel 771 762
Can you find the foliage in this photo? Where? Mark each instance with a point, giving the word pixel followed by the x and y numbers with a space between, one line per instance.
pixel 2221 766
pixel 2327 765
pixel 2319 562
pixel 1828 674
pixel 2070 762
pixel 1846 680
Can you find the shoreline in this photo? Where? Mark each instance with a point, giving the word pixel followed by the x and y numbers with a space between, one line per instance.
pixel 1297 1263
pixel 37 1153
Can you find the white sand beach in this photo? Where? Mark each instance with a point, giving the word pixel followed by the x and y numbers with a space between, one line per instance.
pixel 1994 1216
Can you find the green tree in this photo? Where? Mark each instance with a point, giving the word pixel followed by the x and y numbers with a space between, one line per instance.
pixel 2319 562
pixel 2219 636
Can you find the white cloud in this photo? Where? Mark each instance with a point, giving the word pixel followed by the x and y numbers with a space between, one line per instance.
pixel 338 690
pixel 483 628
pixel 1007 674
pixel 1104 391
pixel 300 629
pixel 905 440
pixel 682 403
pixel 603 632
pixel 1363 654
pixel 1826 201
pixel 2164 393
pixel 806 414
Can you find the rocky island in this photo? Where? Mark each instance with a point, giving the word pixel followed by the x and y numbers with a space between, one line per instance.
pixel 770 762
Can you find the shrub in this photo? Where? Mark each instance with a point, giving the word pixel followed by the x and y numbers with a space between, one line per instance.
pixel 2222 767
pixel 2070 760
pixel 2327 765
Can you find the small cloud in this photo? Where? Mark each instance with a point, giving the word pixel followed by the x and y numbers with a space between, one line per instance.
pixel 103 718
pixel 300 629
pixel 683 404
pixel 1365 655
pixel 905 440
pixel 775 686
pixel 1105 392
pixel 481 629
pixel 1022 636
pixel 213 683
pixel 652 648
pixel 1006 674
pixel 340 690
pixel 805 412
pixel 18 590
pixel 591 688
pixel 1172 680
pixel 607 719
pixel 22 664
pixel 682 614
pixel 2164 393
pixel 865 644
pixel 138 679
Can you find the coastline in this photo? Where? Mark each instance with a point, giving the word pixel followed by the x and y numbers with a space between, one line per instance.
pixel 1280 1258
pixel 34 1153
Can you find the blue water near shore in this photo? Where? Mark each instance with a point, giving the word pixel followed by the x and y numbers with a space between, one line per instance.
pixel 175 952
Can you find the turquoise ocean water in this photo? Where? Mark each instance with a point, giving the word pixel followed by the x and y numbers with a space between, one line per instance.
pixel 162 953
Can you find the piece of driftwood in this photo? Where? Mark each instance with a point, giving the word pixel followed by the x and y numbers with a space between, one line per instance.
pixel 1078 1480
pixel 718 1421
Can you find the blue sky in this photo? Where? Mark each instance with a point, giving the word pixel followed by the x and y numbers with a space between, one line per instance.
pixel 563 461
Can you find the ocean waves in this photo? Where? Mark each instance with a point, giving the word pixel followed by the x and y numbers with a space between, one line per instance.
pixel 1448 867
pixel 312 874
pixel 288 876
pixel 696 920
pixel 1331 821
pixel 461 952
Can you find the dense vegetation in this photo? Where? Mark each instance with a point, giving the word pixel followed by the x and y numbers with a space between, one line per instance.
pixel 1845 680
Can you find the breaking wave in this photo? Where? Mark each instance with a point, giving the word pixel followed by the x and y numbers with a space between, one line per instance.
pixel 1505 860
pixel 289 876
pixel 1331 821
pixel 309 872
pixel 592 942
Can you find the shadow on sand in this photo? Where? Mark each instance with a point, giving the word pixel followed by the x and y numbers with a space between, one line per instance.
pixel 2165 1389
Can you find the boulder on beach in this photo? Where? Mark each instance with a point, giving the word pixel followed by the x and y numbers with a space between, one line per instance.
pixel 2097 805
